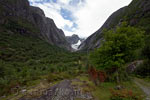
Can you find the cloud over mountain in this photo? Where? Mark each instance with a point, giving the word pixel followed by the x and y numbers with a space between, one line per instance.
pixel 82 17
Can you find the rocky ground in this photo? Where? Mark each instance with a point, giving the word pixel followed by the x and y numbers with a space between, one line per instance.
pixel 62 91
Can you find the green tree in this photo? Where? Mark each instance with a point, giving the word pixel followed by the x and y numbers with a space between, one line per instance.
pixel 146 49
pixel 117 48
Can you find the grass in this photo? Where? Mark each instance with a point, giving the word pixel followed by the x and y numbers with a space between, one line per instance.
pixel 147 79
pixel 130 85
pixel 77 83
pixel 144 81
pixel 102 91
pixel 37 87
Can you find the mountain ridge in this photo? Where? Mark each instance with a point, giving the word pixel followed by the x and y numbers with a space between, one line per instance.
pixel 135 14
pixel 74 39
pixel 19 11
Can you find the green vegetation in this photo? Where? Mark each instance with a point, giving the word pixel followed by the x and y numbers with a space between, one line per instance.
pixel 121 46
pixel 118 48
pixel 24 59
pixel 41 84
pixel 20 25
pixel 146 49
pixel 143 69
pixel 107 91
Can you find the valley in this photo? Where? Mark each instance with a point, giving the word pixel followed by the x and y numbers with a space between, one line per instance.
pixel 39 62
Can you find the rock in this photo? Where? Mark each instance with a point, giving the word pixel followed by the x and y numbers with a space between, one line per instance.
pixel 94 41
pixel 131 67
pixel 23 91
pixel 118 87
pixel 134 13
pixel 47 30
pixel 3 96
pixel 74 39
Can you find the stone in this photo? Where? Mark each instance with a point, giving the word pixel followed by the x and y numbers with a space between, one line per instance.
pixel 48 31
pixel 142 9
pixel 23 91
pixel 118 87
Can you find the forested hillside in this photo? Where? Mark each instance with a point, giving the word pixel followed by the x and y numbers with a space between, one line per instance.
pixel 36 62
pixel 25 58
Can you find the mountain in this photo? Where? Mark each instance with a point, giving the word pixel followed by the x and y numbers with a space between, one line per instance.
pixel 19 16
pixel 137 14
pixel 94 40
pixel 75 41
pixel 30 48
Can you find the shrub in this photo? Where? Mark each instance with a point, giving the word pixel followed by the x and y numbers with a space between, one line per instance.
pixel 52 77
pixel 117 49
pixel 143 69
pixel 146 49
pixel 97 75
pixel 124 95
pixel 26 59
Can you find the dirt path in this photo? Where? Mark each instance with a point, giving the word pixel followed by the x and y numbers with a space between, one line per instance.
pixel 144 86
pixel 61 91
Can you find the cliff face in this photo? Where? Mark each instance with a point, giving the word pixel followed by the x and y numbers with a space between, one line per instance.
pixel 32 21
pixel 94 41
pixel 136 14
pixel 74 39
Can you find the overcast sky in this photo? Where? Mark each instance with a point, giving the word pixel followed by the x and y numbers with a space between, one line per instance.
pixel 82 17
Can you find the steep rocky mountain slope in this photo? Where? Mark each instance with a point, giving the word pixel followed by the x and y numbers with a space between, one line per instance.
pixel 19 16
pixel 75 41
pixel 30 47
pixel 137 14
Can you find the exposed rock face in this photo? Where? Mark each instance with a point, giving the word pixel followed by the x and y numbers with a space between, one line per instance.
pixel 52 34
pixel 94 41
pixel 136 14
pixel 74 39
pixel 48 31
pixel 132 66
